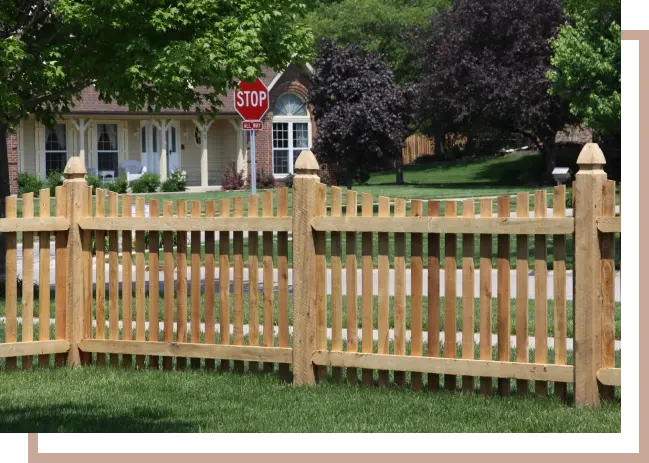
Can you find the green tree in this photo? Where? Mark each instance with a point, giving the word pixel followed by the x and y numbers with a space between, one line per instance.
pixel 142 54
pixel 587 63
pixel 387 27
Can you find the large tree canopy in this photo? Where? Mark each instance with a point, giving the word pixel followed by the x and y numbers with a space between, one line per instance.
pixel 143 54
pixel 382 26
pixel 362 115
pixel 485 64
pixel 587 63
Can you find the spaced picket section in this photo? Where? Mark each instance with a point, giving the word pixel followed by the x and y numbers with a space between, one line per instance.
pixel 111 252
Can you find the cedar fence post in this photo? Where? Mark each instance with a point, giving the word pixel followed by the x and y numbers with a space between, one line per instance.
pixel 304 284
pixel 75 186
pixel 587 196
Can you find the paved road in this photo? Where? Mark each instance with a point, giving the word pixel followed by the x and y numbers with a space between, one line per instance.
pixel 375 281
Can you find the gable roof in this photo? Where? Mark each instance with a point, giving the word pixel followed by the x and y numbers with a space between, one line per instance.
pixel 91 104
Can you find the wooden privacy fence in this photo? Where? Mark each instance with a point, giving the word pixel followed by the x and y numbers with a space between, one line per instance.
pixel 416 146
pixel 162 302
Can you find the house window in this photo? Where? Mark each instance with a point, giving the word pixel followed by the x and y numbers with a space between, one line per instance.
pixel 107 148
pixel 56 152
pixel 291 132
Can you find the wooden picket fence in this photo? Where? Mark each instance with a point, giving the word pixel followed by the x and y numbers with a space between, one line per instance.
pixel 146 306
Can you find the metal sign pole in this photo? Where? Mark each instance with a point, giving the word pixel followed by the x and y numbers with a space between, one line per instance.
pixel 253 163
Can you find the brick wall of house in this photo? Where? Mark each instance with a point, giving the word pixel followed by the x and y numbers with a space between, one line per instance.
pixel 12 152
pixel 294 81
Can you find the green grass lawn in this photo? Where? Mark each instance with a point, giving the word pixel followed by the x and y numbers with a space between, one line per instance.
pixel 114 400
pixel 476 312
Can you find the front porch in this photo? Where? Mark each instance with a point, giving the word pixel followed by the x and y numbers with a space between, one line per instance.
pixel 203 150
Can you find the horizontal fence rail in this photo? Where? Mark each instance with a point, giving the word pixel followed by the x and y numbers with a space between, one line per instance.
pixel 188 224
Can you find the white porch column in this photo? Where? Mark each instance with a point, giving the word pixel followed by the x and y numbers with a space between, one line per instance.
pixel 241 139
pixel 204 128
pixel 163 126
pixel 81 125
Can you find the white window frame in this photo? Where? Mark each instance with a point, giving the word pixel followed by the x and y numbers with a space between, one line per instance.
pixel 96 142
pixel 45 150
pixel 290 120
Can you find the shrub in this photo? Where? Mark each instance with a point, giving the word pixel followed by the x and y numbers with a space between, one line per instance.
pixel 119 185
pixel 177 181
pixel 569 204
pixel 148 183
pixel 233 180
pixel 29 183
pixel 94 181
pixel 288 180
pixel 325 177
pixel 265 180
pixel 54 179
pixel 19 285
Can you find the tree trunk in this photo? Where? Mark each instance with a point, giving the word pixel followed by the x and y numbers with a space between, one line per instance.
pixel 549 157
pixel 398 163
pixel 5 191
pixel 440 144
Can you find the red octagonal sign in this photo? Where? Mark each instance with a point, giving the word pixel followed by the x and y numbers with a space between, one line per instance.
pixel 251 100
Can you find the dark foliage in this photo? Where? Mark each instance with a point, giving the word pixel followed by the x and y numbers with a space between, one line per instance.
pixel 94 181
pixel 233 179
pixel 288 180
pixel 485 66
pixel 147 183
pixel 29 183
pixel 54 179
pixel 177 181
pixel 120 185
pixel 362 116
pixel 265 180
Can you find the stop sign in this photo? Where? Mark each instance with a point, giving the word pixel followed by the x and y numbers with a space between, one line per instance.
pixel 251 100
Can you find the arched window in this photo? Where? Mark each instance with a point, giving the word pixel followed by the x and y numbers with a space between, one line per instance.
pixel 291 132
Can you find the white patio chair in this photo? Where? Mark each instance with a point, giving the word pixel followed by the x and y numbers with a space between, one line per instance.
pixel 133 169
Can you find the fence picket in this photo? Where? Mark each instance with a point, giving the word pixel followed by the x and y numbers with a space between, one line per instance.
pixel 486 383
pixel 367 296
pixel 86 243
pixel 113 279
pixel 140 316
pixel 127 279
pixel 61 288
pixel 224 283
pixel 607 243
pixel 11 283
pixel 468 275
pixel 282 281
pixel 384 290
pixel 450 301
pixel 504 309
pixel 167 211
pixel 400 292
pixel 320 245
pixel 269 290
pixel 237 257
pixel 210 281
pixel 28 281
pixel 100 298
pixel 336 283
pixel 522 305
pixel 560 309
pixel 195 292
pixel 541 291
pixel 154 283
pixel 416 300
pixel 44 276
pixel 351 264
pixel 181 303
pixel 253 285
pixel 434 300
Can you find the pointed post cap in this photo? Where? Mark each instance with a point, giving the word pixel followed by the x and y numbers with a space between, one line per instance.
pixel 306 163
pixel 74 169
pixel 591 157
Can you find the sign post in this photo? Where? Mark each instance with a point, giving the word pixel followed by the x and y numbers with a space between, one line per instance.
pixel 251 102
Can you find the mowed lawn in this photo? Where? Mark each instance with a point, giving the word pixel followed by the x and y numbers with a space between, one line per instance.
pixel 96 399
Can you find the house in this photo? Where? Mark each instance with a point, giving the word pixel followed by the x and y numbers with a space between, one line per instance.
pixel 106 134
